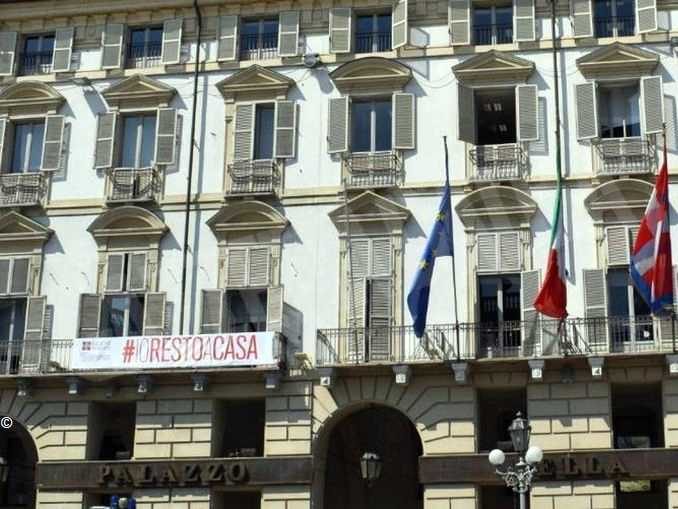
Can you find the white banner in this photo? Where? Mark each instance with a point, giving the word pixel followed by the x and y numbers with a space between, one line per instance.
pixel 199 351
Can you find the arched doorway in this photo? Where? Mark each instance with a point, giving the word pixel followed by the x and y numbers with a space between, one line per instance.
pixel 18 450
pixel 391 435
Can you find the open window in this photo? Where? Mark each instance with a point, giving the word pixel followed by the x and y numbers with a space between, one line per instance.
pixel 238 428
pixel 141 46
pixel 33 54
pixel 613 18
pixel 110 431
pixel 499 497
pixel 362 31
pixel 492 24
pixel 258 38
pixel 496 410
pixel 239 499
pixel 484 22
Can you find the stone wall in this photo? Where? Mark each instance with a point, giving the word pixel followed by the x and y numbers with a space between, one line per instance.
pixel 573 495
pixel 450 496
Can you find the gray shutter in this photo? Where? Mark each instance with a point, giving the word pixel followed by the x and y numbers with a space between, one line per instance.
pixel 670 119
pixel 35 318
pixel 154 314
pixel 115 265
pixel 63 49
pixel 404 121
pixel 529 289
pixel 360 258
pixel 3 136
pixel 459 20
pixel 105 142
pixel 486 247
pixel 274 309
pixel 258 266
pixel 7 52
pixel 285 129
pixel 211 315
pixel 111 51
pixel 171 41
pixel 380 319
pixel 337 135
pixel 617 245
pixel 509 251
pixel 136 272
pixel 399 25
pixel 652 101
pixel 165 135
pixel 467 118
pixel 523 20
pixel 582 18
pixel 236 267
pixel 65 150
pixel 288 34
pixel 595 306
pixel 527 108
pixel 4 275
pixel 90 313
pixel 227 38
pixel 20 273
pixel 646 16
pixel 355 346
pixel 587 110
pixel 51 148
pixel 341 24
pixel 244 132
pixel 381 259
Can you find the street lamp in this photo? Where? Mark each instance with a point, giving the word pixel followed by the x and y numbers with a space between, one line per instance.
pixel 370 467
pixel 519 476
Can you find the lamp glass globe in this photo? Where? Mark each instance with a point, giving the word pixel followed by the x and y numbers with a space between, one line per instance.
pixel 497 457
pixel 534 455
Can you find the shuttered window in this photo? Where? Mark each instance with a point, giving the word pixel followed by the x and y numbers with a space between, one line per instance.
pixel 227 38
pixel 524 20
pixel 341 24
pixel 248 266
pixel 242 310
pixel 63 50
pixel 7 52
pixel 171 41
pixel 111 46
pixel 126 272
pixel 619 243
pixel 582 18
pixel 14 274
pixel 498 252
pixel 288 34
pixel 400 28
pixel 459 20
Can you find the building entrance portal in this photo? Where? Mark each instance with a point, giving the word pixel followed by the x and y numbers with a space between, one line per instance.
pixel 18 451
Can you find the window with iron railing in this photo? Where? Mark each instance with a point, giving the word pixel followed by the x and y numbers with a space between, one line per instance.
pixel 138 141
pixel 614 18
pixel 373 33
pixel 493 25
pixel 144 48
pixel 38 52
pixel 27 151
pixel 259 39
pixel 12 326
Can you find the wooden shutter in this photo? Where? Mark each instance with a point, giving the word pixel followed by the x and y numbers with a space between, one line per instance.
pixel 258 266
pixel 670 118
pixel 523 20
pixel 236 267
pixel 459 20
pixel 115 272
pixel 5 264
pixel 285 129
pixel 227 38
pixel 399 26
pixel 65 150
pixel 211 315
pixel 617 245
pixel 20 274
pixel 63 49
pixel 35 318
pixel 112 42
pixel 529 289
pixel 355 346
pixel 154 314
pixel 381 263
pixel 288 34
pixel 486 244
pixel 646 16
pixel 582 18
pixel 587 110
pixel 244 132
pixel 341 30
pixel 360 258
pixel 4 143
pixel 380 319
pixel 136 272
pixel 527 107
pixel 595 307
pixel 274 309
pixel 51 147
pixel 652 101
pixel 7 52
pixel 337 132
pixel 90 315
pixel 467 118
pixel 404 121
pixel 509 252
pixel 165 136
pixel 171 41
pixel 105 142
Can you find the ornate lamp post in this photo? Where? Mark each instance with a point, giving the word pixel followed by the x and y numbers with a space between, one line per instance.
pixel 370 467
pixel 519 476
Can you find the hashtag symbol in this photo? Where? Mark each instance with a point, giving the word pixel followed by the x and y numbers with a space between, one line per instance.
pixel 128 351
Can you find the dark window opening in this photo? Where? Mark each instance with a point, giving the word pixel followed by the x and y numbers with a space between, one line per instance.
pixel 495 116
pixel 632 319
pixel 37 55
pixel 17 447
pixel 145 47
pixel 641 493
pixel 12 326
pixel 138 141
pixel 239 428
pixel 263 131
pixel 637 416
pixel 500 497
pixel 500 314
pixel 110 431
pixel 619 111
pixel 496 410
pixel 246 310
pixel 122 315
pixel 614 18
pixel 236 499
pixel 373 33
pixel 103 499
pixel 371 126
pixel 258 39
pixel 27 148
pixel 493 25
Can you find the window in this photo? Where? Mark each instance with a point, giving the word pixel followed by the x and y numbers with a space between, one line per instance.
pixel 246 310
pixel 28 141
pixel 641 493
pixel 239 428
pixel 145 47
pixel 12 327
pixel 493 25
pixel 258 39
pixel 138 141
pixel 122 315
pixel 496 116
pixel 500 497
pixel 110 430
pixel 239 499
pixel 263 131
pixel 614 18
pixel 496 411
pixel 373 33
pixel 619 111
pixel 630 317
pixel 371 125
pixel 37 55
pixel 500 313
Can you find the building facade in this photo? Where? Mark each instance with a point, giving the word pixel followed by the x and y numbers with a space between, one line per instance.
pixel 272 203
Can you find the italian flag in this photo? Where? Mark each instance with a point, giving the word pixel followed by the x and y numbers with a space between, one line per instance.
pixel 552 298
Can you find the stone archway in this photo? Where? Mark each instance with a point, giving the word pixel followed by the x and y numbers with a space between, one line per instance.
pixel 18 449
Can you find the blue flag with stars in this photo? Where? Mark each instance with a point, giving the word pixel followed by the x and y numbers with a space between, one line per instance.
pixel 439 244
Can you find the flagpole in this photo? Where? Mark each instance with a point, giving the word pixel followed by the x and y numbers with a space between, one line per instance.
pixel 454 270
pixel 668 220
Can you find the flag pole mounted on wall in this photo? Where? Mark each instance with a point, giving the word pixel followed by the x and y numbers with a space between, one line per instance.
pixel 454 269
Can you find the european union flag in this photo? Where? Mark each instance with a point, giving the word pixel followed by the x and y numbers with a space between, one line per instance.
pixel 439 244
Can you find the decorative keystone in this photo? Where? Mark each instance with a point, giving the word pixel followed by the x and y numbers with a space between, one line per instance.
pixel 199 382
pixel 460 370
pixel 23 388
pixel 273 381
pixel 402 374
pixel 144 383
pixel 327 377
pixel 596 364
pixel 672 362
pixel 74 385
pixel 536 369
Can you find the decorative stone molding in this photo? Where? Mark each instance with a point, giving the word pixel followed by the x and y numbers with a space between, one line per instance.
pixel 30 97
pixel 138 91
pixel 403 374
pixel 623 199
pixel 460 370
pixel 496 206
pixel 369 210
pixel 596 364
pixel 536 369
pixel 255 82
pixel 672 363
pixel 371 74
pixel 272 381
pixel 327 377
pixel 616 60
pixel 493 67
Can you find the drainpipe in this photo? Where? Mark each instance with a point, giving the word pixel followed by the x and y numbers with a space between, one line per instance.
pixel 187 209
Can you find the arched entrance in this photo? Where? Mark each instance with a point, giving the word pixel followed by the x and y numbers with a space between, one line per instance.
pixel 17 448
pixel 389 434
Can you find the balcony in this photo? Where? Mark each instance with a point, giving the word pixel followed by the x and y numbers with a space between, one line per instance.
pixel 366 170
pixel 22 189
pixel 493 34
pixel 142 56
pixel 254 177
pixel 259 46
pixel 34 63
pixel 492 163
pixel 614 26
pixel 372 42
pixel 623 156
pixel 132 185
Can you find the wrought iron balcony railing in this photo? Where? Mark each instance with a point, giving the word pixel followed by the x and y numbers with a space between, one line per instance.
pixel 22 189
pixel 624 156
pixel 493 34
pixel 259 176
pixel 373 169
pixel 35 63
pixel 259 46
pixel 133 185
pixel 498 162
pixel 141 56
pixel 612 26
pixel 370 42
